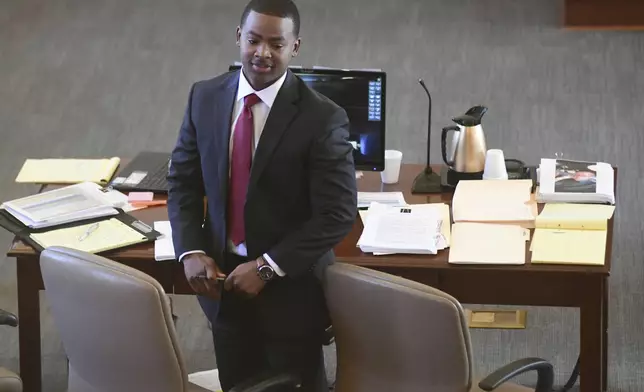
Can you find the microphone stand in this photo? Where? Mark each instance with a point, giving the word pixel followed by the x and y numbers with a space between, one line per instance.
pixel 427 181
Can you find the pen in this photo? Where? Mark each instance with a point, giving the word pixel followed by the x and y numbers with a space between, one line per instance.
pixel 92 228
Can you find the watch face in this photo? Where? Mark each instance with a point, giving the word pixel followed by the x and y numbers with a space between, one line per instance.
pixel 266 272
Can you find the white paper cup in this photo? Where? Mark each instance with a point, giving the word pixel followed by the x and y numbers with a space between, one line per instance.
pixel 393 160
pixel 495 166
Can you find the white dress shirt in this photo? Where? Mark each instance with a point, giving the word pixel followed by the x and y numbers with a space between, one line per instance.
pixel 260 113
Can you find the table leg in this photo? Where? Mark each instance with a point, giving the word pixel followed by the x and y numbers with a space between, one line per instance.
pixel 29 327
pixel 605 332
pixel 592 338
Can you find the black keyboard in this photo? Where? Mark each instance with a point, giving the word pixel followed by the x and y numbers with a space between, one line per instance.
pixel 156 180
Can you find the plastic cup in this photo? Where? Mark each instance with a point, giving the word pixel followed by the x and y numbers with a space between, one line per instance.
pixel 495 166
pixel 393 160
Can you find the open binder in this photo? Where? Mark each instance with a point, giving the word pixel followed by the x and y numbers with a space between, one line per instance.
pixel 91 235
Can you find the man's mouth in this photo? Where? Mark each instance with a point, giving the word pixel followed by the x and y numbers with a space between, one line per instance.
pixel 261 67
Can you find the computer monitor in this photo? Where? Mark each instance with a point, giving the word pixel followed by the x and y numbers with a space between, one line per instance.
pixel 361 93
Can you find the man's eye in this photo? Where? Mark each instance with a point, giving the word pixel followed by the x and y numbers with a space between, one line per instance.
pixel 278 46
pixel 252 41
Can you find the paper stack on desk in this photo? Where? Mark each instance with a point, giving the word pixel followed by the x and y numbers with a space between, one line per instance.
pixel 412 229
pixel 73 203
pixel 567 181
pixel 163 246
pixel 390 198
pixel 491 220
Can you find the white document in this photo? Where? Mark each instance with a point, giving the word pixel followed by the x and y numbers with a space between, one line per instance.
pixel 163 246
pixel 69 204
pixel 400 230
pixel 389 198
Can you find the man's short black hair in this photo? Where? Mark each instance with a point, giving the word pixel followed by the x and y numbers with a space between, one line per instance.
pixel 279 8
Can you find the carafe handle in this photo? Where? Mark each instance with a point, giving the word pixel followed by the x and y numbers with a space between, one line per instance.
pixel 446 131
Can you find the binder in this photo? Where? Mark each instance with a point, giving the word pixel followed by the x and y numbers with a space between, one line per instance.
pixel 36 237
pixel 571 234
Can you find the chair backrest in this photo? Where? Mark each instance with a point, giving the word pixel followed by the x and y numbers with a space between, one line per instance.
pixel 393 334
pixel 115 324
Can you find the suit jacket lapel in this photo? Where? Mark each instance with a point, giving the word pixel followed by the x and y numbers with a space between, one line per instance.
pixel 222 112
pixel 281 114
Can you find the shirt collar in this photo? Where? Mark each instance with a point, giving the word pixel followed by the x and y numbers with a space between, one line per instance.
pixel 267 95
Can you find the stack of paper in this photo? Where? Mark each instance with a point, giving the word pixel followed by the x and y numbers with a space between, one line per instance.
pixel 67 171
pixel 490 221
pixel 576 182
pixel 163 246
pixel 494 201
pixel 413 229
pixel 483 243
pixel 390 198
pixel 64 205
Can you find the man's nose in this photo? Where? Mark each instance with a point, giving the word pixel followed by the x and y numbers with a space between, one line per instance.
pixel 262 50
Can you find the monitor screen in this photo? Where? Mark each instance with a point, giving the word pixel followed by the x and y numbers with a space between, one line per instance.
pixel 362 95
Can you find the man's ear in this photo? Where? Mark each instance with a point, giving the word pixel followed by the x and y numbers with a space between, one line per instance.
pixel 238 35
pixel 296 47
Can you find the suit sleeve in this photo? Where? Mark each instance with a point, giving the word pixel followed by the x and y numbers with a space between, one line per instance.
pixel 332 184
pixel 186 188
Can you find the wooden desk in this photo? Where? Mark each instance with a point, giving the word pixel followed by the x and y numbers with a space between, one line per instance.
pixel 583 287
pixel 604 14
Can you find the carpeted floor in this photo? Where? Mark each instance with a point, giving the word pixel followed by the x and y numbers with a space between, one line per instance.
pixel 111 77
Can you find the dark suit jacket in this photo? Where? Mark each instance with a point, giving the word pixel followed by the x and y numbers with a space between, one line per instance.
pixel 301 198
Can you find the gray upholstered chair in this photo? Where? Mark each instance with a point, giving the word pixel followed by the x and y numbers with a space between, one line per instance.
pixel 117 329
pixel 9 381
pixel 393 334
pixel 115 324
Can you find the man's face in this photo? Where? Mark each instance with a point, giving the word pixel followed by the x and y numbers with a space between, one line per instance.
pixel 267 44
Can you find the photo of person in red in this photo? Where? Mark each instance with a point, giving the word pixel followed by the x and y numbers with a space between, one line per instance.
pixel 577 177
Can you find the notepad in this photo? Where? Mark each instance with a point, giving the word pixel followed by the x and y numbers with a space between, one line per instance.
pixel 574 216
pixel 571 234
pixel 92 238
pixel 67 171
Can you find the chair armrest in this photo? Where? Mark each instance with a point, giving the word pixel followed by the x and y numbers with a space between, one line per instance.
pixel 269 382
pixel 7 318
pixel 545 374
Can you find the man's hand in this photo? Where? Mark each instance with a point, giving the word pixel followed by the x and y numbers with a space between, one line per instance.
pixel 244 280
pixel 202 273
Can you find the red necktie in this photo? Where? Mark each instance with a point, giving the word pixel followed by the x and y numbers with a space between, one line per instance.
pixel 240 163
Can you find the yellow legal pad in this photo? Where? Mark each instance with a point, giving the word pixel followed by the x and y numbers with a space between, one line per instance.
pixel 67 171
pixel 93 238
pixel 571 234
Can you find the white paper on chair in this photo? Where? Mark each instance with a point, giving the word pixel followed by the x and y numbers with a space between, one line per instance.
pixel 208 379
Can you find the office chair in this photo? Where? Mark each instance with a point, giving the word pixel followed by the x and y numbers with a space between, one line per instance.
pixel 116 327
pixel 9 381
pixel 393 334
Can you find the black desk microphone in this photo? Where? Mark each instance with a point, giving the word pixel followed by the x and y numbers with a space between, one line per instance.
pixel 427 181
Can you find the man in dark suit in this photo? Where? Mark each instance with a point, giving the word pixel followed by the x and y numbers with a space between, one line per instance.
pixel 273 160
